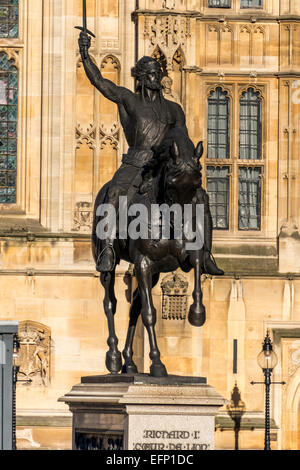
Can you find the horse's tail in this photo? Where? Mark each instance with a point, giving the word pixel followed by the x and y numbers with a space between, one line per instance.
pixel 96 242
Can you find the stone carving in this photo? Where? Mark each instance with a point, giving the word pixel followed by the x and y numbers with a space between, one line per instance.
pixel 34 353
pixel 83 217
pixel 168 92
pixel 88 135
pixel 112 134
pixel 293 357
pixel 110 44
pixel 174 301
pixel 169 4
pixel 26 435
pixel 169 33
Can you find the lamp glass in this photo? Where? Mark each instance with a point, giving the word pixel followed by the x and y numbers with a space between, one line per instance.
pixel 267 359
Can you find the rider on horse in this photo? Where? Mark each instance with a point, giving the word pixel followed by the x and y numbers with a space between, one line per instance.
pixel 146 117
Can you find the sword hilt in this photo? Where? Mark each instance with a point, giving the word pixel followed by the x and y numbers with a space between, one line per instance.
pixel 81 28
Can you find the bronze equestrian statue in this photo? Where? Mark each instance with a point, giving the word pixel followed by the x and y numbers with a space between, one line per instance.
pixel 161 165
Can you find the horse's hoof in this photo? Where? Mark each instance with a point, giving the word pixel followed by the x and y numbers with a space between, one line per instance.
pixel 197 318
pixel 129 370
pixel 113 362
pixel 158 370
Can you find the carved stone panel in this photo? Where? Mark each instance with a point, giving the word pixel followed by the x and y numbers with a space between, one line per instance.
pixel 174 301
pixel 293 357
pixel 34 354
pixel 83 217
pixel 169 33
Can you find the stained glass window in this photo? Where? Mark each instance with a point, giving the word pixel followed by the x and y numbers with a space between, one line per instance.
pixel 8 129
pixel 249 198
pixel 9 22
pixel 251 3
pixel 218 191
pixel 250 125
pixel 219 3
pixel 218 124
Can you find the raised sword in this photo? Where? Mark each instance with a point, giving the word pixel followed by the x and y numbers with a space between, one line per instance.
pixel 84 27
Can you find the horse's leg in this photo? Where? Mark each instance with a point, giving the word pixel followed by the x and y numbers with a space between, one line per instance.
pixel 113 356
pixel 197 314
pixel 144 278
pixel 129 367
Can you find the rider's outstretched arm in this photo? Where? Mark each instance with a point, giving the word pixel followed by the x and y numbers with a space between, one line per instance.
pixel 106 87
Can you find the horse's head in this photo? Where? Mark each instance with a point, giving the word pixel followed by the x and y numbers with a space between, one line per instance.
pixel 183 171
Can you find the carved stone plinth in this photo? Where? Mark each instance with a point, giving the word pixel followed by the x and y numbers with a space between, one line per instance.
pixel 143 413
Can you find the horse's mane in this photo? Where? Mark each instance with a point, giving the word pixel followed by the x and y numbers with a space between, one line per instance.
pixel 182 140
pixel 161 153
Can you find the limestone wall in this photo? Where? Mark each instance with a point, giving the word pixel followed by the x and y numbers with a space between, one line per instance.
pixel 70 143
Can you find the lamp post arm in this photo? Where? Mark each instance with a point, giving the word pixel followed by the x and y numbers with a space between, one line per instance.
pixel 271 383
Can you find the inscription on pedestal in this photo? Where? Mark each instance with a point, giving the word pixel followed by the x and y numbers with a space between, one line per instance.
pixel 169 433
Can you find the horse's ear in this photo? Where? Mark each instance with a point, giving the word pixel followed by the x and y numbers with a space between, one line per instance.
pixel 199 151
pixel 175 152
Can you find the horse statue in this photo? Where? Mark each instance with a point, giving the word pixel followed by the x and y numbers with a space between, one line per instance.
pixel 173 176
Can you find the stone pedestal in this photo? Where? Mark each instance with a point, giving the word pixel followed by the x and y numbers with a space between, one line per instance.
pixel 143 413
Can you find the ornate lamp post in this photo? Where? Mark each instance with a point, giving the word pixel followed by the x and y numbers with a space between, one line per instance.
pixel 267 360
pixel 236 409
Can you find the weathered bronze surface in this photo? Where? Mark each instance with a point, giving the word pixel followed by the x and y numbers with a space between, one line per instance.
pixel 161 166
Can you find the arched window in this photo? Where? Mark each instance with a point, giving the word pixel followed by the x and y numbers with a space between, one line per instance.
pixel 250 125
pixel 250 148
pixel 8 129
pixel 218 125
pixel 234 173
pixel 9 13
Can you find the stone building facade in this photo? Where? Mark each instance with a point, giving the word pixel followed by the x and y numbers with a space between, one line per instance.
pixel 234 66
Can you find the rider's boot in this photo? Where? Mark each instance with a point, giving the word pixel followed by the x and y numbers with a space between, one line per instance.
pixel 107 258
pixel 210 265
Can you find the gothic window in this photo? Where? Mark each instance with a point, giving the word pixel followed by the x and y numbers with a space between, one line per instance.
pixel 234 173
pixel 219 3
pixel 249 198
pixel 218 191
pixel 218 124
pixel 250 148
pixel 251 3
pixel 8 129
pixel 9 23
pixel 250 125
